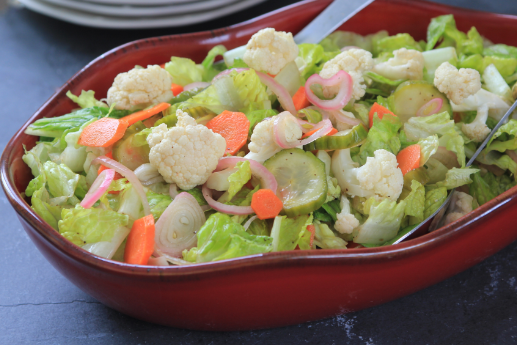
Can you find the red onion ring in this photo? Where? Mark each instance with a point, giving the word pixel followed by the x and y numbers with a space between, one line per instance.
pixel 435 104
pixel 341 117
pixel 98 188
pixel 283 95
pixel 229 209
pixel 130 175
pixel 341 79
pixel 197 84
pixel 228 71
pixel 325 126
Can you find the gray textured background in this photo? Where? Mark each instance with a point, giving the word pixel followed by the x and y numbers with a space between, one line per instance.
pixel 39 306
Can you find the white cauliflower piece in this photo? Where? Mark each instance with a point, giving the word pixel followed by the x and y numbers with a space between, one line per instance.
pixel 353 61
pixel 263 145
pixel 406 64
pixel 346 221
pixel 457 84
pixel 140 88
pixel 269 50
pixel 187 153
pixel 380 175
pixel 461 204
pixel 477 130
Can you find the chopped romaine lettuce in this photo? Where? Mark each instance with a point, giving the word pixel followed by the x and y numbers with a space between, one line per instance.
pixel 86 99
pixel 239 178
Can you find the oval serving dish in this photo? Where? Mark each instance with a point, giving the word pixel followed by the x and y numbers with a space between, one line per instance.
pixel 274 289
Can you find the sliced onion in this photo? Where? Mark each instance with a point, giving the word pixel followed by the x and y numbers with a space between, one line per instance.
pixel 248 223
pixel 341 79
pixel 176 228
pixel 172 260
pixel 325 126
pixel 340 116
pixel 153 181
pixel 267 179
pixel 430 108
pixel 229 209
pixel 173 190
pixel 98 188
pixel 283 95
pixel 146 172
pixel 446 157
pixel 196 85
pixel 130 175
pixel 228 71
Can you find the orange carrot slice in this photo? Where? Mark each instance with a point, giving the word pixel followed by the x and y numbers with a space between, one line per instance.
pixel 300 99
pixel 409 158
pixel 176 89
pixel 233 127
pixel 145 114
pixel 103 132
pixel 266 204
pixel 140 241
pixel 380 110
pixel 312 230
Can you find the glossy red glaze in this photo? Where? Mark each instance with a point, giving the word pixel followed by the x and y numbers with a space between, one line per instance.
pixel 265 290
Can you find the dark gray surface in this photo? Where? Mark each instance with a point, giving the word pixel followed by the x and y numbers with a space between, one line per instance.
pixel 38 305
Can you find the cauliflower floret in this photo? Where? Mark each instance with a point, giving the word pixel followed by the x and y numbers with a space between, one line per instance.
pixel 457 85
pixel 477 130
pixel 380 175
pixel 263 145
pixel 140 88
pixel 346 222
pixel 269 50
pixel 406 64
pixel 187 153
pixel 355 62
pixel 461 205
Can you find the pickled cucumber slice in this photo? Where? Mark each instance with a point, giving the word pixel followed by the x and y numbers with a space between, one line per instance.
pixel 411 95
pixel 342 140
pixel 302 181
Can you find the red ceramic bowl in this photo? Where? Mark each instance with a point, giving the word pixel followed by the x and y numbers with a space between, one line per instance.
pixel 273 289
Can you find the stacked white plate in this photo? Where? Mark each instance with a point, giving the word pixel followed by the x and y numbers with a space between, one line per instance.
pixel 137 14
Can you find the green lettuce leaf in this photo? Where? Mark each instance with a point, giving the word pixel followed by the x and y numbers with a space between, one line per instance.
pixel 507 135
pixel 382 135
pixel 81 226
pixel 208 63
pixel 383 222
pixel 428 147
pixel 472 61
pixel 312 56
pixel 501 50
pixel 434 198
pixel 86 99
pixel 239 178
pixel 325 238
pixel 286 232
pixel 250 89
pixel 184 71
pixel 391 43
pixel 221 238
pixel 505 65
pixel 422 127
pixel 158 203
pixel 486 187
pixel 415 202
pixel 454 141
pixel 377 78
pixel 437 28
pixel 259 227
pixel 457 177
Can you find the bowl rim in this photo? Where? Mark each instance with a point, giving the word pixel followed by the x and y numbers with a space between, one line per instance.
pixel 354 257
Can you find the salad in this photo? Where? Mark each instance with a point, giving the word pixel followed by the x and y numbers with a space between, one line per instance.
pixel 351 142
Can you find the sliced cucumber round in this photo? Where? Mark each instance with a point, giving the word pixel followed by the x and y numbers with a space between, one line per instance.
pixel 302 181
pixel 341 140
pixel 411 95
